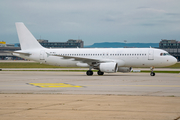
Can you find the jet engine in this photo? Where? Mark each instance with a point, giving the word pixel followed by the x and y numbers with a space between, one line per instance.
pixel 124 69
pixel 108 67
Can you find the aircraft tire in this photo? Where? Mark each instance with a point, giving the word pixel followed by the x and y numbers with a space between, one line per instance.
pixel 152 74
pixel 89 73
pixel 100 73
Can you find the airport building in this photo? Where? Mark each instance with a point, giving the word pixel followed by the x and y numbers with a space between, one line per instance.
pixel 69 44
pixel 11 47
pixel 7 47
pixel 171 46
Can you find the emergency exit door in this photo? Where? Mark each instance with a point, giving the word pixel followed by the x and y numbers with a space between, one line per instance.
pixel 151 55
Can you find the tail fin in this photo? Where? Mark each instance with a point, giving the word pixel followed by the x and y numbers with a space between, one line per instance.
pixel 26 39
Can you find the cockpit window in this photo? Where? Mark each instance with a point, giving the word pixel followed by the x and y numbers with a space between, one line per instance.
pixel 164 54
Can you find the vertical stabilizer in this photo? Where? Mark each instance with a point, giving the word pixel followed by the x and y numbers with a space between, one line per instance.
pixel 26 39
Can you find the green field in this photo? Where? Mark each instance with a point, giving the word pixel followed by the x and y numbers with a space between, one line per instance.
pixel 38 65
pixel 25 65
pixel 148 71
pixel 34 65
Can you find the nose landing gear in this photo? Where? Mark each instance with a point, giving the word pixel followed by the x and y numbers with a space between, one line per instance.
pixel 152 72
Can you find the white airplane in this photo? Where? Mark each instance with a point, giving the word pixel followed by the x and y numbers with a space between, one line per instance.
pixel 105 60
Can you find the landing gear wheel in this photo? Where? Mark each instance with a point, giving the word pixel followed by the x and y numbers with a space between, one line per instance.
pixel 89 72
pixel 152 74
pixel 100 73
pixel 152 71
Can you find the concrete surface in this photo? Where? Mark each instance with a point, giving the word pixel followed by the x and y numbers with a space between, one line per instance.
pixel 114 83
pixel 87 107
pixel 50 95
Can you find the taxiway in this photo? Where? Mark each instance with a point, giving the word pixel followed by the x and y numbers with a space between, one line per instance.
pixel 78 83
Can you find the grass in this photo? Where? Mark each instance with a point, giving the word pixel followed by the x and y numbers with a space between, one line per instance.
pixel 55 70
pixel 144 71
pixel 148 71
pixel 25 65
pixel 38 65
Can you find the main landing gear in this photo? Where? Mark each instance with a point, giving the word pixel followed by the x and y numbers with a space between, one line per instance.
pixel 100 73
pixel 90 73
pixel 152 72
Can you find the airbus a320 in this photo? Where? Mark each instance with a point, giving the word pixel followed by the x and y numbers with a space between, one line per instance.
pixel 105 60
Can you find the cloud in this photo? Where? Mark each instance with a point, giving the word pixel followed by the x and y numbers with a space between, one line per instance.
pixel 148 9
pixel 148 24
pixel 95 20
pixel 173 14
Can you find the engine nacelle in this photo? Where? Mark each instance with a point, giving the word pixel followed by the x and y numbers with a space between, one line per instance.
pixel 108 67
pixel 124 69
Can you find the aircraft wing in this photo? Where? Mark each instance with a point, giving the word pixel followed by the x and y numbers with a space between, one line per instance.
pixel 82 59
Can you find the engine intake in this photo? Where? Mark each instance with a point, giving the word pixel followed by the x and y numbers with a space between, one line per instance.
pixel 108 67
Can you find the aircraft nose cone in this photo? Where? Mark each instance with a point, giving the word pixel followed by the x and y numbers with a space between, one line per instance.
pixel 173 60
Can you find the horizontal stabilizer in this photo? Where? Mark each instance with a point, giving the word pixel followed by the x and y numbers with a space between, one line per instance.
pixel 19 52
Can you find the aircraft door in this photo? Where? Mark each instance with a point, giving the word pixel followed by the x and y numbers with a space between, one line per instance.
pixel 151 55
pixel 42 55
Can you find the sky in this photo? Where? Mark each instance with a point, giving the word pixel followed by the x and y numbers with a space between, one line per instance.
pixel 93 21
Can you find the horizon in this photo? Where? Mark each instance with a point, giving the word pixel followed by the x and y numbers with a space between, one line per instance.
pixel 92 21
pixel 92 43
